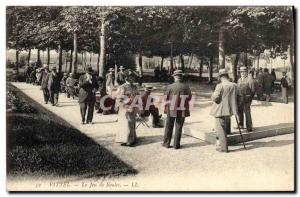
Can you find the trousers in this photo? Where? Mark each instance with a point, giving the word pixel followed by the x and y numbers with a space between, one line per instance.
pixel 53 97
pixel 178 121
pixel 244 108
pixel 222 127
pixel 284 92
pixel 46 95
pixel 89 107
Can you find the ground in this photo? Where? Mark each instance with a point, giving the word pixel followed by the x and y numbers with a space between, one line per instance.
pixel 267 164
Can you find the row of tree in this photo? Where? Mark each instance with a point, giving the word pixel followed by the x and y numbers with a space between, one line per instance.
pixel 116 32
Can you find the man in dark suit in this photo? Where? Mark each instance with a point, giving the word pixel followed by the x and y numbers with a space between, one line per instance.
pixel 246 91
pixel 224 106
pixel 53 86
pixel 149 107
pixel 87 95
pixel 268 84
pixel 44 83
pixel 284 87
pixel 178 96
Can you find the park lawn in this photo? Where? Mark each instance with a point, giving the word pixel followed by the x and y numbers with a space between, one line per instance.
pixel 37 146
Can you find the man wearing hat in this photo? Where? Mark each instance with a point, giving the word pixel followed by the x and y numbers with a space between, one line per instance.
pixel 87 95
pixel 178 95
pixel 259 86
pixel 53 86
pixel 224 106
pixel 246 91
pixel 110 81
pixel 149 107
pixel 44 83
pixel 284 87
pixel 121 76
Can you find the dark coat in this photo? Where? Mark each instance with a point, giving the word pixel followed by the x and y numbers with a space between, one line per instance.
pixel 225 100
pixel 87 91
pixel 284 82
pixel 45 78
pixel 173 93
pixel 53 82
pixel 246 90
pixel 268 83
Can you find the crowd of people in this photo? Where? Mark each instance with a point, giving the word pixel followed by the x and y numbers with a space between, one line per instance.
pixel 229 99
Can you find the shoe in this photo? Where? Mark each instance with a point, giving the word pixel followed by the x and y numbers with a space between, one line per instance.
pixel 46 102
pixel 83 122
pixel 176 147
pixel 222 151
pixel 166 146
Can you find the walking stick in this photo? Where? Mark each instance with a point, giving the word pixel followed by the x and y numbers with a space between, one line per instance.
pixel 240 131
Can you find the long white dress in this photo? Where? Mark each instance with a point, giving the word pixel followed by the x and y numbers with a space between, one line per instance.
pixel 126 115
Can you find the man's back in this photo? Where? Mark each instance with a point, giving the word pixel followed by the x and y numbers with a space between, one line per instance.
pixel 225 100
pixel 175 92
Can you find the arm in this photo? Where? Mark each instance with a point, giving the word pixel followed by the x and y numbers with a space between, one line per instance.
pixel 217 95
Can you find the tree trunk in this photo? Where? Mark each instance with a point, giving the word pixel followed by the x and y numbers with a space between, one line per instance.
pixel 191 60
pixel 39 57
pixel 291 55
pixel 201 67
pixel 221 49
pixel 75 53
pixel 258 57
pixel 140 64
pixel 17 62
pixel 102 51
pixel 48 57
pixel 60 58
pixel 246 60
pixel 162 63
pixel 91 55
pixel 182 62
pixel 28 57
pixel 98 60
pixel 210 71
pixel 171 57
pixel 235 65
pixel 71 61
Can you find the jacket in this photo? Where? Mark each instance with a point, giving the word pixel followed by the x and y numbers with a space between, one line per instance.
pixel 87 91
pixel 224 100
pixel 174 93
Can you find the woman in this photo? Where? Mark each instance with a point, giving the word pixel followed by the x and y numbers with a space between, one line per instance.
pixel 127 113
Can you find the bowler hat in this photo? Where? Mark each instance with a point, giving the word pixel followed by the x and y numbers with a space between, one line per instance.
pixel 243 69
pixel 222 72
pixel 177 73
pixel 53 68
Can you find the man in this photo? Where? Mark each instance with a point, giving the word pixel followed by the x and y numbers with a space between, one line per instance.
pixel 87 95
pixel 259 86
pixel 44 83
pixel 110 81
pixel 178 95
pixel 71 84
pixel 268 84
pixel 224 106
pixel 53 86
pixel 284 87
pixel 246 91
pixel 121 76
pixel 63 84
pixel 149 107
pixel 27 72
